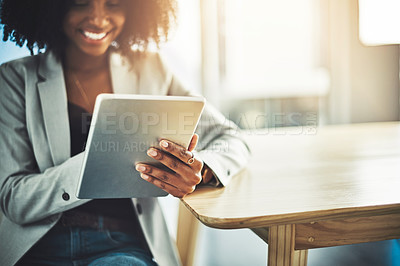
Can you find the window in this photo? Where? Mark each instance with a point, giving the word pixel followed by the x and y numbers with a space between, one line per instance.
pixel 379 22
pixel 273 49
pixel 271 58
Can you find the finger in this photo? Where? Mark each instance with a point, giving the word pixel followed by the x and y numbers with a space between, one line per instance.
pixel 193 142
pixel 165 186
pixel 181 153
pixel 185 171
pixel 168 177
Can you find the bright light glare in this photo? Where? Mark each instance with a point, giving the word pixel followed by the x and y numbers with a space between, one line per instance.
pixel 379 22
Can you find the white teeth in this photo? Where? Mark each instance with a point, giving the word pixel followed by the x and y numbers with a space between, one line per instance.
pixel 94 36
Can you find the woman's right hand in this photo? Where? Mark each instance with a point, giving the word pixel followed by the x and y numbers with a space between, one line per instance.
pixel 184 170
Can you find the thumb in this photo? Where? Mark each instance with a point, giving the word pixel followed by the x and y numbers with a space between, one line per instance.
pixel 193 142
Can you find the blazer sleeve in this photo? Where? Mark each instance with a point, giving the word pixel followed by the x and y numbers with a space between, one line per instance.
pixel 221 144
pixel 26 194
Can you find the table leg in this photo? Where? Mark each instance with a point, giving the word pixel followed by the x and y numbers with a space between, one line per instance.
pixel 281 247
pixel 186 235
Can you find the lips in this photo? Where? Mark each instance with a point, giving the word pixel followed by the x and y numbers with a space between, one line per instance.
pixel 94 36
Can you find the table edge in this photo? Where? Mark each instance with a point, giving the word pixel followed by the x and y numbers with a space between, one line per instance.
pixel 293 218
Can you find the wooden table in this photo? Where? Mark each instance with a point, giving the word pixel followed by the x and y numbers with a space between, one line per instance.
pixel 311 187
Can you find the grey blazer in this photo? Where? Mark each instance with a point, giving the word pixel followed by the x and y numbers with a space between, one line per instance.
pixel 36 168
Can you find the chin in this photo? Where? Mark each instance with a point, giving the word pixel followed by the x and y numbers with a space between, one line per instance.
pixel 95 51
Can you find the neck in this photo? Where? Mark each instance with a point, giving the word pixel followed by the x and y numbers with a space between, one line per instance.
pixel 78 61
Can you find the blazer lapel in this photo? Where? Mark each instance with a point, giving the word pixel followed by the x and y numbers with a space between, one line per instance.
pixel 124 78
pixel 53 98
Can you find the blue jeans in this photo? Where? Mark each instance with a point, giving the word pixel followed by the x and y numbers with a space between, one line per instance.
pixel 65 246
pixel 396 252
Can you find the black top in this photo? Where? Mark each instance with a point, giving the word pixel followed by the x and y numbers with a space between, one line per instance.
pixel 79 122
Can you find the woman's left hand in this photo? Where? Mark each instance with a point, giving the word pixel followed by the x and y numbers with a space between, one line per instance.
pixel 184 169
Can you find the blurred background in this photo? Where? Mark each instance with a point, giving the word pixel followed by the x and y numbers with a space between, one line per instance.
pixel 268 64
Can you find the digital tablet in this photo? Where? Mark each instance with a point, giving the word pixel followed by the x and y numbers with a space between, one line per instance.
pixel 122 129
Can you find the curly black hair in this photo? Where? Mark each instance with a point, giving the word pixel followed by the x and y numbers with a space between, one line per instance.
pixel 38 23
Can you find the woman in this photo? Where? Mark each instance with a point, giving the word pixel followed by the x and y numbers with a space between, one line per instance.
pixel 43 101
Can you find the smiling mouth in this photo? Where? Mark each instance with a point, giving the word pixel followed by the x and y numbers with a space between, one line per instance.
pixel 94 36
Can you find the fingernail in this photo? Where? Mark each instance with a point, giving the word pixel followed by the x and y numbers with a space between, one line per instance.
pixel 140 168
pixel 145 177
pixel 164 144
pixel 152 153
